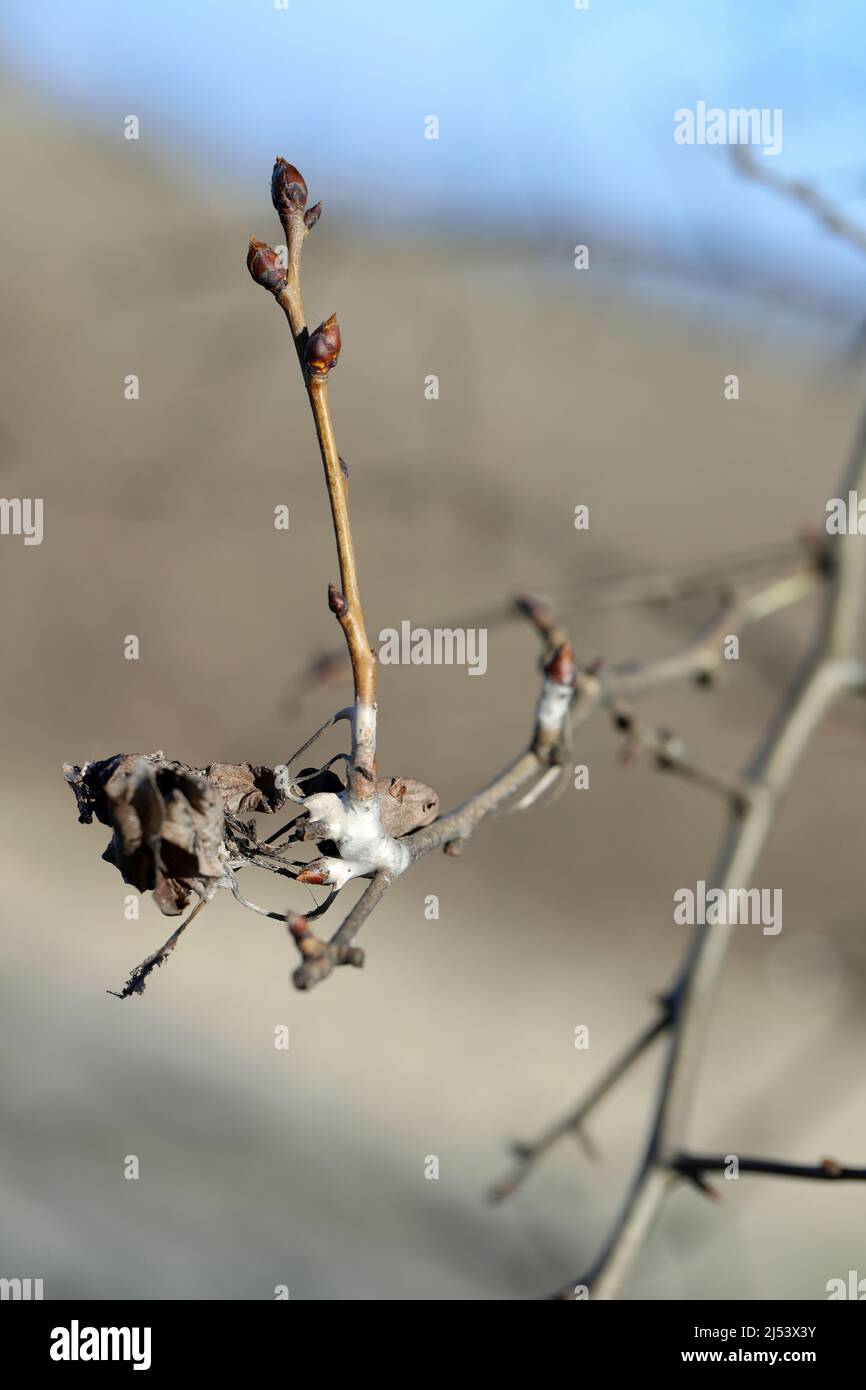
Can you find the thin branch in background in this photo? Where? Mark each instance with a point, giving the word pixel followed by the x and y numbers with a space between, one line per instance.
pixel 825 677
pixel 828 1170
pixel 702 656
pixel 527 1155
pixel 733 572
pixel 795 191
pixel 669 754
pixel 829 672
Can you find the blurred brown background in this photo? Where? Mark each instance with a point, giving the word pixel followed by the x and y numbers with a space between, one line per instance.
pixel 261 1167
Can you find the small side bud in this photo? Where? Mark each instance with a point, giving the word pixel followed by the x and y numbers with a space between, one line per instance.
pixel 314 874
pixel 264 267
pixel 297 925
pixel 562 667
pixel 323 348
pixel 337 602
pixel 312 215
pixel 333 873
pixel 309 945
pixel 288 189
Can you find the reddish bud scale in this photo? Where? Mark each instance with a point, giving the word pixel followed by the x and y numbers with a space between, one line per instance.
pixel 297 925
pixel 311 876
pixel 337 602
pixel 562 667
pixel 312 215
pixel 322 351
pixel 264 266
pixel 309 945
pixel 288 189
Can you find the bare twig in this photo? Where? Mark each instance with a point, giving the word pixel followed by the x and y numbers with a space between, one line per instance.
pixel 669 754
pixel 318 958
pixel 527 1155
pixel 828 1170
pixel 564 691
pixel 318 354
pixel 702 655
pixel 801 193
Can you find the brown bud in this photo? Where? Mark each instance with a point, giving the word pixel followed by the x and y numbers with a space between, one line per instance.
pixel 288 189
pixel 337 602
pixel 323 348
pixel 312 215
pixel 264 267
pixel 296 924
pixel 309 945
pixel 314 874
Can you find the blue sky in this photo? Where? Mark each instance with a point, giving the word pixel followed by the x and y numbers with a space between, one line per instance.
pixel 545 111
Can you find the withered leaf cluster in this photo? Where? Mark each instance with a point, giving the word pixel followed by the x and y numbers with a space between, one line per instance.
pixel 168 820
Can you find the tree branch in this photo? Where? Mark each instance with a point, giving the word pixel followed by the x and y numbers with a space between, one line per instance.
pixel 802 193
pixel 318 354
pixel 319 958
pixel 827 1170
pixel 828 672
pixel 528 1155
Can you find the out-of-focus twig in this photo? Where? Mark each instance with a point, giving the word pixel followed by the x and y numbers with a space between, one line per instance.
pixel 832 669
pixel 828 1170
pixel 796 191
